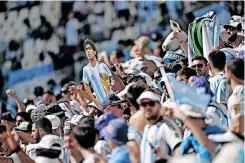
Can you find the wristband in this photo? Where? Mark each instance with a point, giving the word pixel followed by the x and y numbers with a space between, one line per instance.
pixel 181 41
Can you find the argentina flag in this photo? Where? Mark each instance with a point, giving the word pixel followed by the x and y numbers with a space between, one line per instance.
pixel 184 94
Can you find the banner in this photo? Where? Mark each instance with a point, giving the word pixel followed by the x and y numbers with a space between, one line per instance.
pixel 19 76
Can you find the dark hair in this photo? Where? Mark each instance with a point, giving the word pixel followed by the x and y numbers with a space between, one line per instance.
pixel 85 136
pixel 26 116
pixel 7 116
pixel 236 66
pixel 91 43
pixel 217 59
pixel 119 54
pixel 200 58
pixel 38 91
pixel 49 92
pixel 2 128
pixel 49 153
pixel 51 82
pixel 44 124
pixel 134 91
pixel 187 72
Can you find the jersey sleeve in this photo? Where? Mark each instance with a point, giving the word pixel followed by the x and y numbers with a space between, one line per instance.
pixel 85 76
pixel 172 137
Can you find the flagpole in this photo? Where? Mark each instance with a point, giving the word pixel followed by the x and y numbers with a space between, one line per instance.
pixel 168 86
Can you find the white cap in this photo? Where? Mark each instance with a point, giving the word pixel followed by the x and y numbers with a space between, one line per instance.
pixel 146 77
pixel 23 127
pixel 93 105
pixel 55 121
pixel 148 95
pixel 30 107
pixel 123 92
pixel 75 120
pixel 49 142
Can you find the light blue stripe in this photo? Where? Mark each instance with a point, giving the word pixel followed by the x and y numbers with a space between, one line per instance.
pixel 97 86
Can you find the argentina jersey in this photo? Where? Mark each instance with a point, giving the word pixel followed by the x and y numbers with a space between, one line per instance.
pixel 220 89
pixel 164 135
pixel 99 77
pixel 236 104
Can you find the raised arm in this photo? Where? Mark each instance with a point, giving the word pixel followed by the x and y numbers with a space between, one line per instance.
pixel 90 95
pixel 20 104
pixel 15 147
pixel 201 137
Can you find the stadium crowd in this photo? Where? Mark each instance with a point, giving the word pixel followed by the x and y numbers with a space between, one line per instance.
pixel 151 101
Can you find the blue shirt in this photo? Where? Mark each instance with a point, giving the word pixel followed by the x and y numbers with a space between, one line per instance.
pixel 120 155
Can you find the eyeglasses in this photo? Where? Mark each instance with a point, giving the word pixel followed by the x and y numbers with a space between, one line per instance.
pixel 150 103
pixel 197 66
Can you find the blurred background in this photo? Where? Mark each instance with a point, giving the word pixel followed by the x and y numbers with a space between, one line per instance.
pixel 41 42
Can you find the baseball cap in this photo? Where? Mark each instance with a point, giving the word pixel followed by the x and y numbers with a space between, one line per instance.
pixel 92 104
pixel 29 108
pixel 111 99
pixel 24 126
pixel 237 22
pixel 52 142
pixel 74 120
pixel 147 78
pixel 65 88
pixel 149 95
pixel 116 131
pixel 55 121
pixel 125 91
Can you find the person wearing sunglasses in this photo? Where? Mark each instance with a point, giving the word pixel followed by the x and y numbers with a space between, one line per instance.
pixel 113 103
pixel 200 64
pixel 159 132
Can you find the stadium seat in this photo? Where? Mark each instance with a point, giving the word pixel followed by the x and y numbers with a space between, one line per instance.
pixel 12 15
pixel 46 8
pixel 28 48
pixel 23 14
pixel 39 46
pixel 2 17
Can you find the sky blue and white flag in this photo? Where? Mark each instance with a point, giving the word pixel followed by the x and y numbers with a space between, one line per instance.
pixel 184 94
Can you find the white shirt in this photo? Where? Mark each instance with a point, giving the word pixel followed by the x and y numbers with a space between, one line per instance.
pixel 40 159
pixel 236 103
pixel 92 158
pixel 166 136
pixel 102 148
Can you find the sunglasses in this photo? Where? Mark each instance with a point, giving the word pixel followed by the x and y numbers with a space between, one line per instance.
pixel 157 78
pixel 150 103
pixel 197 66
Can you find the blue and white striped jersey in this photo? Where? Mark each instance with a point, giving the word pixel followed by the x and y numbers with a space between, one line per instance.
pixel 99 77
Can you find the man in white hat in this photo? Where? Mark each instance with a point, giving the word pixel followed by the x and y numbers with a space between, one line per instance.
pixel 48 149
pixel 161 136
